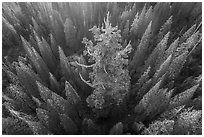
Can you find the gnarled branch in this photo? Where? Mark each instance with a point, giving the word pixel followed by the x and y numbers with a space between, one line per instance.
pixel 90 53
pixel 86 66
pixel 85 81
pixel 104 67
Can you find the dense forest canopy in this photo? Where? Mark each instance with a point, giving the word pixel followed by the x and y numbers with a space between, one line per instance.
pixel 101 68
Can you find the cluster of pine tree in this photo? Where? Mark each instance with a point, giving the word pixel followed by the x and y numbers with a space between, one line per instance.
pixel 102 68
